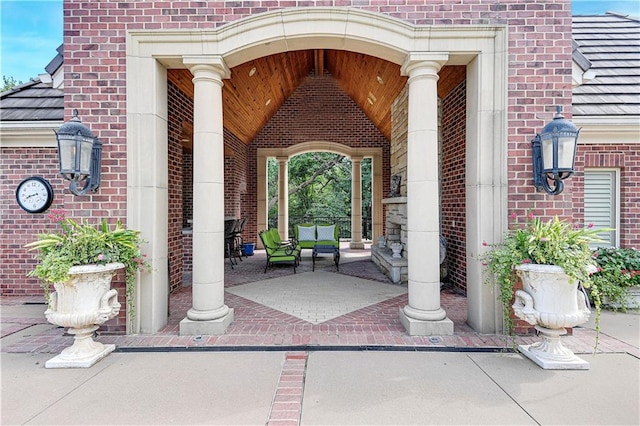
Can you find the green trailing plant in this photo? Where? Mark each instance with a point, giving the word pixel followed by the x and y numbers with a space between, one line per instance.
pixel 555 242
pixel 618 271
pixel 80 243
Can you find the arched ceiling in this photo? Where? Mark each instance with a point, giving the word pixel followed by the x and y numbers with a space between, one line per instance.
pixel 257 88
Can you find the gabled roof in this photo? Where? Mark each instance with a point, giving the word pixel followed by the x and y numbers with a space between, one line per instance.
pixel 611 44
pixel 36 100
pixel 32 101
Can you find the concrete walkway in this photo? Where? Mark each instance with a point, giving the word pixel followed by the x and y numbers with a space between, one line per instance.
pixel 319 388
pixel 325 387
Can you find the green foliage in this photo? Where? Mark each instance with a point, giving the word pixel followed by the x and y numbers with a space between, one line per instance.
pixel 81 244
pixel 319 185
pixel 618 269
pixel 555 242
pixel 9 82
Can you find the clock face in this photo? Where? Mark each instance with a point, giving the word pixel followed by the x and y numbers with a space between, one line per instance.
pixel 34 194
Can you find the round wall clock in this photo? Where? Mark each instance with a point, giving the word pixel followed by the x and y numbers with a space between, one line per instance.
pixel 34 194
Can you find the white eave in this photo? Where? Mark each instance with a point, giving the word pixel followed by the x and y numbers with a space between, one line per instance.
pixel 608 130
pixel 28 134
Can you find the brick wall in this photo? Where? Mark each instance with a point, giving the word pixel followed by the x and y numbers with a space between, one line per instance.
pixel 305 116
pixel 19 228
pixel 626 158
pixel 453 195
pixel 180 111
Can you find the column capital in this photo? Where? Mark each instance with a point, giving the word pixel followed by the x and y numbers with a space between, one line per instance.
pixel 282 159
pixel 212 63
pixel 423 63
pixel 356 158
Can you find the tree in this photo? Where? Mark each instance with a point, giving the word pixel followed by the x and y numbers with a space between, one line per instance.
pixel 319 186
pixel 9 82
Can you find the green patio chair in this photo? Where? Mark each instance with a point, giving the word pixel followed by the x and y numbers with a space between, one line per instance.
pixel 277 254
pixel 275 237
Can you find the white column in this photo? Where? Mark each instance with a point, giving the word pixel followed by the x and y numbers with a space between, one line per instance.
pixel 356 203
pixel 283 197
pixel 209 314
pixel 423 315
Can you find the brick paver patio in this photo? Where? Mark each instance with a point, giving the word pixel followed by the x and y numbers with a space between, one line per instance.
pixel 258 327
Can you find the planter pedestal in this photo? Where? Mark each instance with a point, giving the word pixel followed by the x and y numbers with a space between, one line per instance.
pixel 550 301
pixel 551 354
pixel 82 304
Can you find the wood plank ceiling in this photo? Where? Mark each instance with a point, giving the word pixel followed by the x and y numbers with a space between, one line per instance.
pixel 257 88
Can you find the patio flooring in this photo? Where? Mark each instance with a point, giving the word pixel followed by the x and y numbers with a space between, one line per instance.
pixel 355 308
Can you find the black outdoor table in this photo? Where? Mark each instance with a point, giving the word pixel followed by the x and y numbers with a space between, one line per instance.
pixel 320 248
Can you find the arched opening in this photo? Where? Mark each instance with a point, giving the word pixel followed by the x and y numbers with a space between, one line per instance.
pixel 150 55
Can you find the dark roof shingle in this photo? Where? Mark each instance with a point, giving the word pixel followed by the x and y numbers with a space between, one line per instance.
pixel 611 43
pixel 32 101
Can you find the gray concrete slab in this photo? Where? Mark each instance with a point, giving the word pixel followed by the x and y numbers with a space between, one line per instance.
pixel 623 326
pixel 143 388
pixel 608 393
pixel 403 388
pixel 27 389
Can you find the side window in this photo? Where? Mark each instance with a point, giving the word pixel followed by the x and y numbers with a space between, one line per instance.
pixel 601 202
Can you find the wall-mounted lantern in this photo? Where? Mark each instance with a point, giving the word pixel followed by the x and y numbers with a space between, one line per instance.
pixel 80 154
pixel 554 151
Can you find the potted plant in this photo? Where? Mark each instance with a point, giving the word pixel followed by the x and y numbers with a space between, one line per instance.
pixel 551 259
pixel 80 262
pixel 618 277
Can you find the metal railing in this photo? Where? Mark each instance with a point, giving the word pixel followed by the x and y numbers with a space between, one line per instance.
pixel 343 223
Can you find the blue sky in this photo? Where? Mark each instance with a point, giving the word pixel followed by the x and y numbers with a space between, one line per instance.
pixel 30 31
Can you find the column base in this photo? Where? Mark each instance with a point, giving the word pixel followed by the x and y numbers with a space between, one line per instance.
pixel 415 327
pixel 356 245
pixel 210 327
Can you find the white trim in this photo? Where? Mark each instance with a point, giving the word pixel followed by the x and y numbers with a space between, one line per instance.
pixel 608 130
pixel 150 53
pixel 262 154
pixel 28 134
pixel 617 191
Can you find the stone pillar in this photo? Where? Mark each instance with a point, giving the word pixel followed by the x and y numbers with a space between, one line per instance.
pixel 209 314
pixel 283 197
pixel 423 315
pixel 356 203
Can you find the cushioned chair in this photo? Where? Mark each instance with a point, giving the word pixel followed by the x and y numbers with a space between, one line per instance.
pixel 308 235
pixel 276 253
pixel 277 241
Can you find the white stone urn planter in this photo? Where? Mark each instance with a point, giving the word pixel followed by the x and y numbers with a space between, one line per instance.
pixel 83 303
pixel 551 301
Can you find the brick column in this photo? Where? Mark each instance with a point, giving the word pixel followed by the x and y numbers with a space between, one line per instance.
pixel 423 315
pixel 356 203
pixel 209 314
pixel 283 197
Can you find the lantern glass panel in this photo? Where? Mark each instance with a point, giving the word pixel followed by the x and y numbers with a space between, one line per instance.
pixel 86 146
pixel 547 154
pixel 67 152
pixel 566 150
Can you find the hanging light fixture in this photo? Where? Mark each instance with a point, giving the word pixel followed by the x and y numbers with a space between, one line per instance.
pixel 80 155
pixel 554 151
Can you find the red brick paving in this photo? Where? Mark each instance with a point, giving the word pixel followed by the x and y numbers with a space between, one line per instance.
pixel 258 326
